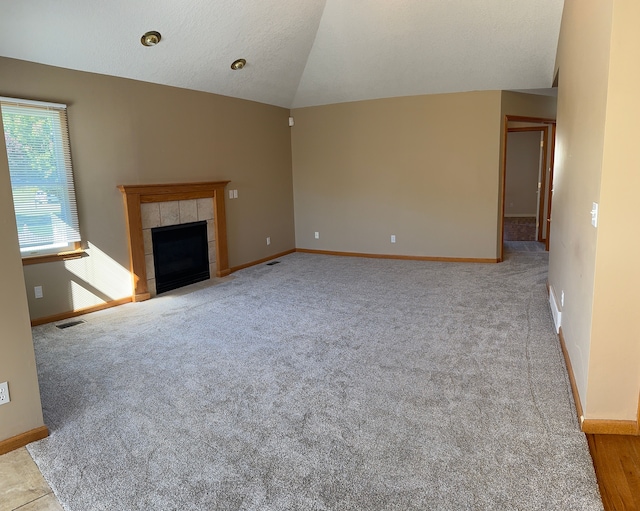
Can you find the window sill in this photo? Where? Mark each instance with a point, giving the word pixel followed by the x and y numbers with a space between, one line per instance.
pixel 50 258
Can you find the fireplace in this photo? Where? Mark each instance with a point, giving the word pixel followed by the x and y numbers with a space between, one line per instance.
pixel 150 206
pixel 180 255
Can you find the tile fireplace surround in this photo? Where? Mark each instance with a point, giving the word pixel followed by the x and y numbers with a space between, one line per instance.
pixel 148 206
pixel 164 214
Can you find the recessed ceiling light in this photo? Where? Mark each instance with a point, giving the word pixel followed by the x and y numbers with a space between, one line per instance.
pixel 150 38
pixel 238 64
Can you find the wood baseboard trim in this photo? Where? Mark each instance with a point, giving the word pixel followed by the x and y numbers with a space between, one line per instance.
pixel 595 426
pixel 572 378
pixel 80 312
pixel 260 261
pixel 609 427
pixel 15 442
pixel 401 257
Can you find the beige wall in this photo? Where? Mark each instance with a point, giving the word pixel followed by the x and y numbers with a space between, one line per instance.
pixel 614 365
pixel 424 168
pixel 597 161
pixel 523 169
pixel 129 132
pixel 529 105
pixel 17 362
pixel 583 59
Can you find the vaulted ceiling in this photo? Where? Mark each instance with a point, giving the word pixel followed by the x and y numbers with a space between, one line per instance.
pixel 298 52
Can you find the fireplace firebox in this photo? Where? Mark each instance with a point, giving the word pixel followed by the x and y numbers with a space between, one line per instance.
pixel 180 255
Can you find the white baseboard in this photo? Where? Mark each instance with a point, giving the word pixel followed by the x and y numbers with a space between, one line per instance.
pixel 555 311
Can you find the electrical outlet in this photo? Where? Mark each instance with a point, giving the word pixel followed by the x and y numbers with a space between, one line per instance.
pixel 268 240
pixel 317 235
pixel 4 393
pixel 37 291
pixel 393 238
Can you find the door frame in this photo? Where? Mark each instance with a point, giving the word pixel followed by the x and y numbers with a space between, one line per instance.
pixel 542 121
pixel 551 167
pixel 541 215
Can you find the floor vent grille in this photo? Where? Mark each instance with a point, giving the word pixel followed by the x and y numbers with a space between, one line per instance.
pixel 70 324
pixel 273 262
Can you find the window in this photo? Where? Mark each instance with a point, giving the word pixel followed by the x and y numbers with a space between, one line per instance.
pixel 37 140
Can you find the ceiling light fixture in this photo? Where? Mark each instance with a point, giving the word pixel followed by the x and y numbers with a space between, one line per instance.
pixel 150 38
pixel 238 64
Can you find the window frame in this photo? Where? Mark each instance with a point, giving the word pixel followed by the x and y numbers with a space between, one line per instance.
pixel 64 168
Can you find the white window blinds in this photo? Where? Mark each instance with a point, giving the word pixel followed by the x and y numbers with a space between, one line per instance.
pixel 37 140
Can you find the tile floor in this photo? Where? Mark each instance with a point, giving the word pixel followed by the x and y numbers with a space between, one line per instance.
pixel 523 246
pixel 22 486
pixel 520 228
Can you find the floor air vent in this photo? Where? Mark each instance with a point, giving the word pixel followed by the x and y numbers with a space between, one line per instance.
pixel 70 323
pixel 273 262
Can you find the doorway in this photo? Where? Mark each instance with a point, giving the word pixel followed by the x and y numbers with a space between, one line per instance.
pixel 526 183
pixel 525 180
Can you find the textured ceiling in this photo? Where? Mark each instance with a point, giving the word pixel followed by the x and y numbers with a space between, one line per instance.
pixel 299 52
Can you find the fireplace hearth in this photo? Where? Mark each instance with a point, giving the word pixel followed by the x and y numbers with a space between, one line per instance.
pixel 180 255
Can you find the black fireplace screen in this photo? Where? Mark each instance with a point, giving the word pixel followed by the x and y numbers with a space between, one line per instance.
pixel 181 255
